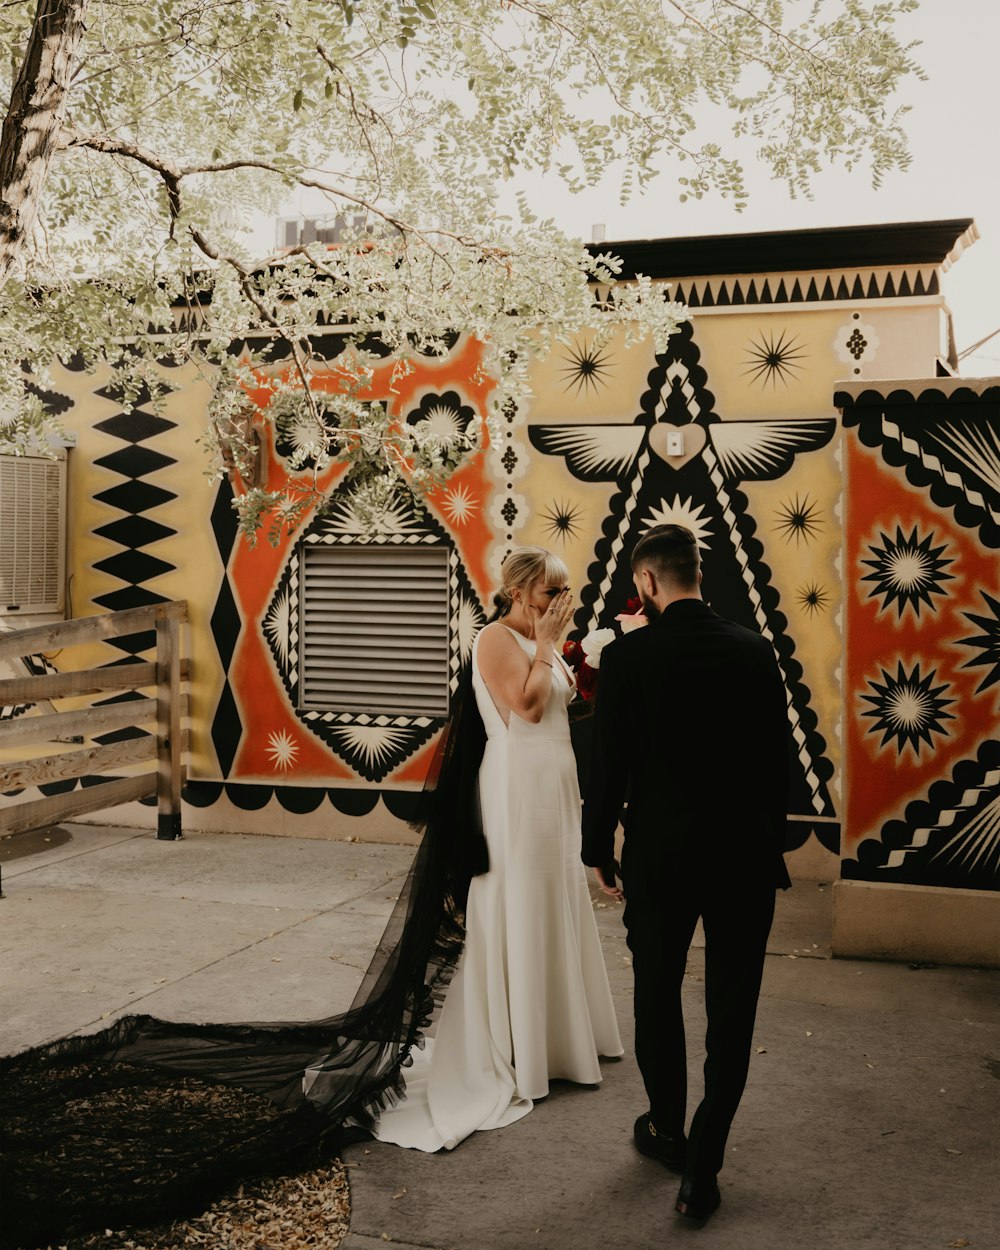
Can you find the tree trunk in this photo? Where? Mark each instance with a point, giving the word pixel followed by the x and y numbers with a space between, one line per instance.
pixel 31 127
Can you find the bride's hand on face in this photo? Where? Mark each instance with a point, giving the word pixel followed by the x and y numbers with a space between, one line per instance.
pixel 551 624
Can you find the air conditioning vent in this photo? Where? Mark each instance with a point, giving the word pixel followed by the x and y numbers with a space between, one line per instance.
pixel 32 534
pixel 375 626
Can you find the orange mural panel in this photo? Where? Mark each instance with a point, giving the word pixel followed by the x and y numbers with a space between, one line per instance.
pixel 915 700
pixel 279 740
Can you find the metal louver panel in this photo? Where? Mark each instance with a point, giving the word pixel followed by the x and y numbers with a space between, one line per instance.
pixel 375 629
pixel 32 526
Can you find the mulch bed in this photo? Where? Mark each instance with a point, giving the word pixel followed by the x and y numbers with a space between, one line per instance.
pixel 307 1212
pixel 108 1157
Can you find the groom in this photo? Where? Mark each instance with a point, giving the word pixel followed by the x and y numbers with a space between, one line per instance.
pixel 691 727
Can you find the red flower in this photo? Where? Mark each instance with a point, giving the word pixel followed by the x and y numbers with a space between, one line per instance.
pixel 572 653
pixel 634 606
pixel 586 677
pixel 586 681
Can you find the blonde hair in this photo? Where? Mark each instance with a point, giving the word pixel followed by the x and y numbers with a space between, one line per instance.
pixel 524 566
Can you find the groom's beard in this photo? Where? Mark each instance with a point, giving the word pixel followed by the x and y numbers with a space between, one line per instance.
pixel 650 608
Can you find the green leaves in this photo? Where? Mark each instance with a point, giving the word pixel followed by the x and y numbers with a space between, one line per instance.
pixel 407 115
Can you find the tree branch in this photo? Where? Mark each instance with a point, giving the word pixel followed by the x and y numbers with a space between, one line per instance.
pixel 30 129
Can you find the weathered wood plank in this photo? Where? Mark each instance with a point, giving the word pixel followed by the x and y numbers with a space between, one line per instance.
pixel 66 764
pixel 168 729
pixel 85 723
pixel 20 817
pixel 71 684
pixel 15 690
pixel 86 629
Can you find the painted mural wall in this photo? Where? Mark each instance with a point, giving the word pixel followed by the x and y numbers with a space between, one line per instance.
pixel 922 571
pixel 592 462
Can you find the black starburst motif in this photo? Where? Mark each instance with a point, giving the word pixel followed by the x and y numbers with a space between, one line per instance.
pixel 908 708
pixel 771 359
pixel 561 521
pixel 908 571
pixel 987 643
pixel 586 368
pixel 799 519
pixel 813 598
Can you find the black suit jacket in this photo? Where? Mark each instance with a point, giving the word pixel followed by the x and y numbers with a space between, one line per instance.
pixel 691 726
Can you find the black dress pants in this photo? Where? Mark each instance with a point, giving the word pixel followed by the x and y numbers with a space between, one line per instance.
pixel 736 915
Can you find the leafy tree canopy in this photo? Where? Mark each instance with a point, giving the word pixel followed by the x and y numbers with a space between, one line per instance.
pixel 139 136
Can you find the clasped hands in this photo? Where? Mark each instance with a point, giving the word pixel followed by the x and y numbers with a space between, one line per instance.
pixel 607 875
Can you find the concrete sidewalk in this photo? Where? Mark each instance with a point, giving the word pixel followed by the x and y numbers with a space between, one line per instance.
pixel 872 1116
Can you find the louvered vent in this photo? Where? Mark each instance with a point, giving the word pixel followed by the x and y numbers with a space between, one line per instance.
pixel 32 553
pixel 374 629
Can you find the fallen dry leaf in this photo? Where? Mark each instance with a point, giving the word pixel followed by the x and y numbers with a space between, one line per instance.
pixel 761 1050
pixel 958 1244
pixel 400 1194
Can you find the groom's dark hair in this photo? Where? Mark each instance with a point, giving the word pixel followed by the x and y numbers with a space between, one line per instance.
pixel 671 553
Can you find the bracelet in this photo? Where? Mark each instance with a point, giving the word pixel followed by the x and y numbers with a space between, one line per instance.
pixel 539 660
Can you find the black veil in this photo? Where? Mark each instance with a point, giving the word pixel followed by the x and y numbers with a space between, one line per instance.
pixel 147 1119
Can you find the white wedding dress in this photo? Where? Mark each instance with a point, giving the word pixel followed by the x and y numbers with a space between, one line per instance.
pixel 529 1002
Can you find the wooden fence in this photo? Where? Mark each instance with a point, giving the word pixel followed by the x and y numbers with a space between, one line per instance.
pixel 163 708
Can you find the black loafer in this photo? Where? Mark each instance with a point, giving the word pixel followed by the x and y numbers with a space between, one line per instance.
pixel 697 1200
pixel 668 1150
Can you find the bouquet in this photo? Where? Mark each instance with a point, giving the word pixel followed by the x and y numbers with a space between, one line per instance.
pixel 584 657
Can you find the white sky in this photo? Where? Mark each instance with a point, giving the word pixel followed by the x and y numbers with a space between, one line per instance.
pixel 955 173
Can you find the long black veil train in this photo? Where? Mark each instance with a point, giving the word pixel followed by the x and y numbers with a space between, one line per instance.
pixel 147 1119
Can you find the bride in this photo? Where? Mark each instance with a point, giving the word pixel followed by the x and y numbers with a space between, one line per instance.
pixel 503 911
pixel 529 1002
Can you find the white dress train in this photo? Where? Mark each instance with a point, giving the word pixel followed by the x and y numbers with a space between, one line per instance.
pixel 529 1002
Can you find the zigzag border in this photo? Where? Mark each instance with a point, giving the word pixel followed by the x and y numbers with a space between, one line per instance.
pixel 764 290
pixel 902 850
pixel 880 424
pixel 810 743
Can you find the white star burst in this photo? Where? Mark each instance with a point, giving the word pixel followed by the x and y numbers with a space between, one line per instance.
pixel 282 749
pixel 470 621
pixel 459 505
pixel 276 625
pixel 909 707
pixel 374 743
pixel 908 569
pixel 343 519
pixel 979 841
pixel 978 449
pixel 680 512
pixel 305 434
pixel 444 422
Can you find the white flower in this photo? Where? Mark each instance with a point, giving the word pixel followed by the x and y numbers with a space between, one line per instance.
pixel 594 644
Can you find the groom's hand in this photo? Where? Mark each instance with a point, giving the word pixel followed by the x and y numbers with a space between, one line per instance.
pixel 606 875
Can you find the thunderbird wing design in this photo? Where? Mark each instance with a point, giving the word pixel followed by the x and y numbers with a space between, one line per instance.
pixel 594 453
pixel 763 450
